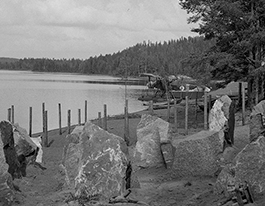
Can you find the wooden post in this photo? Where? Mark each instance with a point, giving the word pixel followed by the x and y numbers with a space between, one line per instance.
pixel 168 109
pixel 60 119
pixel 256 90
pixel 105 126
pixel 79 116
pixel 85 111
pixel 210 102
pixel 175 115
pixel 12 114
pixel 186 109
pixel 30 121
pixel 250 92
pixel 99 119
pixel 243 105
pixel 69 122
pixel 239 103
pixel 43 114
pixel 151 107
pixel 46 141
pixel 196 106
pixel 262 86
pixel 205 111
pixel 126 123
pixel 9 114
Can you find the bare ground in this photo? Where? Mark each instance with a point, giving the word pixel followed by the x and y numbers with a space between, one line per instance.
pixel 45 187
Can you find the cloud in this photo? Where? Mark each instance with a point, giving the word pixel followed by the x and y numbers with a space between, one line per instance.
pixel 81 28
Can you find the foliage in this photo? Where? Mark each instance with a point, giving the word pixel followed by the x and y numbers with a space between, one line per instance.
pixel 161 58
pixel 238 27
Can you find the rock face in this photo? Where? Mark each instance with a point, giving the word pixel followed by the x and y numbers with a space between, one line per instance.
pixel 147 150
pixel 95 162
pixel 9 149
pixel 149 122
pixel 6 186
pixel 248 165
pixel 222 117
pixel 198 154
pixel 25 148
pixel 151 132
pixel 256 125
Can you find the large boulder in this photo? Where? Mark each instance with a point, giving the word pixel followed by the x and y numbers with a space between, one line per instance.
pixel 248 165
pixel 95 162
pixel 149 122
pixel 15 168
pixel 6 185
pixel 198 154
pixel 256 124
pixel 25 147
pixel 147 152
pixel 222 117
pixel 151 133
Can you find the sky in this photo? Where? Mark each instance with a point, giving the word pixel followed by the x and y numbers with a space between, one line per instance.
pixel 83 28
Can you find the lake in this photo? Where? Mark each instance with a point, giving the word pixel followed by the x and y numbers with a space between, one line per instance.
pixel 25 89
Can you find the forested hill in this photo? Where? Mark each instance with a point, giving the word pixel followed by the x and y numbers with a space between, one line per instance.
pixel 161 58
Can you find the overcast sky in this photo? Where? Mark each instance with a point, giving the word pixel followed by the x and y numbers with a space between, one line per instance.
pixel 84 28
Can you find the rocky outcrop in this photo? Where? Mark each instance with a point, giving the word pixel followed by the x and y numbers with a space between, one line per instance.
pixel 256 124
pixel 95 162
pixel 6 185
pixel 248 166
pixel 198 154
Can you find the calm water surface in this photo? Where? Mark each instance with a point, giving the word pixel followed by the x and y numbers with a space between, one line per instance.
pixel 25 89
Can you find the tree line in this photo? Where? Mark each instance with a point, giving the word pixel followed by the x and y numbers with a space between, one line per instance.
pixel 238 28
pixel 169 57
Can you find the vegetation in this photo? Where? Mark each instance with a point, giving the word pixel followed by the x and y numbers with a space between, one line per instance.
pixel 238 26
pixel 161 58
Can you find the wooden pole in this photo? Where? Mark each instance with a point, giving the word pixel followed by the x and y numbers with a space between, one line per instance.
pixel 99 119
pixel 79 116
pixel 30 121
pixel 60 119
pixel 105 126
pixel 243 105
pixel 210 102
pixel 12 114
pixel 46 141
pixel 239 103
pixel 151 107
pixel 205 111
pixel 43 114
pixel 175 115
pixel 69 122
pixel 262 86
pixel 256 90
pixel 85 111
pixel 186 109
pixel 168 109
pixel 9 114
pixel 126 123
pixel 196 106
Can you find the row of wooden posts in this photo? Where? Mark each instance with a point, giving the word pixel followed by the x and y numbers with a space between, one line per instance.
pixel 102 122
pixel 207 102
